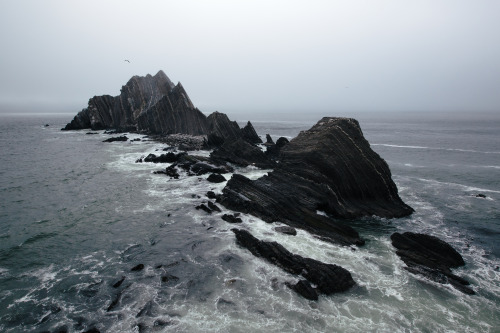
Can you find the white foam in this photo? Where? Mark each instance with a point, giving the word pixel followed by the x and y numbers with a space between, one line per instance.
pixel 434 148
pixel 461 186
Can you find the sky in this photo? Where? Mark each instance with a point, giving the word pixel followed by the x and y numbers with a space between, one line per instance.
pixel 255 56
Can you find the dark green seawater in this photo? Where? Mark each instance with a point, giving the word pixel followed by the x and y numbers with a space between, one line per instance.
pixel 76 214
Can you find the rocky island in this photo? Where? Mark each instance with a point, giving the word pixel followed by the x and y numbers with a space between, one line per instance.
pixel 318 181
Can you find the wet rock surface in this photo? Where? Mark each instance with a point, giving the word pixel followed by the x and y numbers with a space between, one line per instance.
pixel 431 257
pixel 329 168
pixel 241 153
pixel 118 138
pixel 328 278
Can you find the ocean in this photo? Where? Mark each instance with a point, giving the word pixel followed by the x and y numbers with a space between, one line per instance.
pixel 77 214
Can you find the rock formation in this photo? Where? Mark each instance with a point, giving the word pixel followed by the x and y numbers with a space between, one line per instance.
pixel 329 168
pixel 431 257
pixel 327 278
pixel 154 105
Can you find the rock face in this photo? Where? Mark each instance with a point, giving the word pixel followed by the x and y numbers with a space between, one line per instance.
pixel 431 257
pixel 121 112
pixel 242 153
pixel 250 135
pixel 329 168
pixel 154 105
pixel 328 278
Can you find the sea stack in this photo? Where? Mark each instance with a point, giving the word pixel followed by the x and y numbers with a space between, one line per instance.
pixel 154 105
pixel 329 169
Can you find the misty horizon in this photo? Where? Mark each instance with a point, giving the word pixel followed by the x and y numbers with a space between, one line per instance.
pixel 259 57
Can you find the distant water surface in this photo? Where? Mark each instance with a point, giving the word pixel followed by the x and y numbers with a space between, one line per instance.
pixel 76 214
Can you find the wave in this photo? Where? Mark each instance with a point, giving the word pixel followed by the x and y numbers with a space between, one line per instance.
pixel 464 187
pixel 435 148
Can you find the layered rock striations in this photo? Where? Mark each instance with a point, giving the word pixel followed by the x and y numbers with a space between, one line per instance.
pixel 431 257
pixel 324 173
pixel 154 105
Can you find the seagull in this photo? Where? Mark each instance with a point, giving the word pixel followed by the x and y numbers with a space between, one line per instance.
pixel 127 61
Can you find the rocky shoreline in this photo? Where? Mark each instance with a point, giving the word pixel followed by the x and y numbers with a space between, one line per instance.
pixel 319 181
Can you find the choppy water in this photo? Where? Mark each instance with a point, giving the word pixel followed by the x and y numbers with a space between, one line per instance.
pixel 77 214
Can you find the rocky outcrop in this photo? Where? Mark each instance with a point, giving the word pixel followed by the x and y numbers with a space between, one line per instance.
pixel 329 168
pixel 122 111
pixel 154 105
pixel 241 153
pixel 327 278
pixel 273 150
pixel 250 135
pixel 221 128
pixel 431 257
pixel 174 113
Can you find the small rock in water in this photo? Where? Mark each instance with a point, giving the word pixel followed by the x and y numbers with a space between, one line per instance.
pixel 213 207
pixel 286 230
pixel 216 178
pixel 118 138
pixel 480 195
pixel 231 218
pixel 211 195
pixel 205 208
pixel 137 268
pixel 169 278
pixel 119 282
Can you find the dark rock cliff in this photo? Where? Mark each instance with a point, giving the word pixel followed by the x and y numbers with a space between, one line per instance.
pixel 329 168
pixel 173 113
pixel 121 112
pixel 154 105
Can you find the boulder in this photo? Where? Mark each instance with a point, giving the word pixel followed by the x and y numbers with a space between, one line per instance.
pixel 286 230
pixel 431 257
pixel 216 178
pixel 163 158
pixel 231 218
pixel 328 278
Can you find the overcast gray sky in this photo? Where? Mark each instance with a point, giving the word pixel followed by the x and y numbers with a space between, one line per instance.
pixel 241 56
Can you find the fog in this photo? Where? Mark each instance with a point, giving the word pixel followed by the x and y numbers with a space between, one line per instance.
pixel 243 57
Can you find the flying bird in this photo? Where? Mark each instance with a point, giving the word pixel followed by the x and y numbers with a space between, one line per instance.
pixel 127 61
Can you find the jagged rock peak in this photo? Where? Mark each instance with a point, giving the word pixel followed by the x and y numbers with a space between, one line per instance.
pixel 249 134
pixel 137 96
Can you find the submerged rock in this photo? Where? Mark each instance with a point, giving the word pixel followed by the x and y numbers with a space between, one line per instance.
pixel 328 278
pixel 137 268
pixel 431 257
pixel 330 168
pixel 118 138
pixel 286 230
